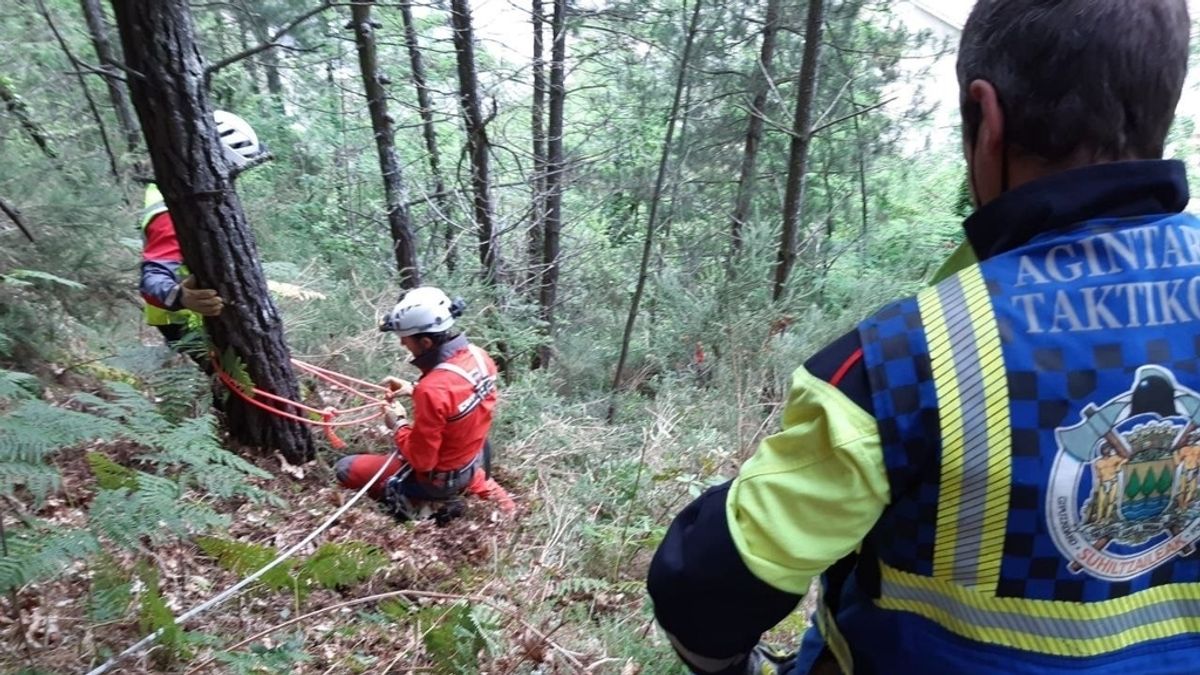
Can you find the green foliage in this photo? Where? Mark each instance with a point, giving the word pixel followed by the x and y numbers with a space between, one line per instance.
pixel 33 430
pixel 339 565
pixel 260 660
pixel 154 615
pixel 15 385
pixel 28 277
pixel 111 593
pixel 40 553
pixel 331 566
pixel 109 474
pixel 245 557
pixel 454 636
pixel 235 368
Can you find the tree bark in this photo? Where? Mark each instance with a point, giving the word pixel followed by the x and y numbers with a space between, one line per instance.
pixel 538 182
pixel 93 13
pixel 399 223
pixel 553 182
pixel 754 132
pixel 655 197
pixel 478 146
pixel 793 199
pixel 158 38
pixel 424 103
pixel 17 108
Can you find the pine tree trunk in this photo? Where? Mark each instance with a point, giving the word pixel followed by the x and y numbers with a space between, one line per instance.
pixel 478 146
pixel 793 198
pixel 172 105
pixel 754 132
pixel 93 13
pixel 420 81
pixel 655 197
pixel 554 176
pixel 538 182
pixel 399 223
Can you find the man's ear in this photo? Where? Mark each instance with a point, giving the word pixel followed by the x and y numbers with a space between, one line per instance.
pixel 990 138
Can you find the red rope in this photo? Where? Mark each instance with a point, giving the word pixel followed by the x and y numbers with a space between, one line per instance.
pixel 333 378
pixel 326 415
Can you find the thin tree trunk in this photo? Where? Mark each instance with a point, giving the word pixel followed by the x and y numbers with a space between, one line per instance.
pixel 793 199
pixel 754 132
pixel 651 221
pixel 424 102
pixel 478 146
pixel 261 28
pixel 87 92
pixel 93 13
pixel 17 108
pixel 244 32
pixel 538 182
pixel 553 183
pixel 14 214
pixel 218 246
pixel 399 223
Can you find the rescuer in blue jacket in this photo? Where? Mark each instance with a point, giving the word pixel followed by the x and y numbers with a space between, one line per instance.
pixel 998 475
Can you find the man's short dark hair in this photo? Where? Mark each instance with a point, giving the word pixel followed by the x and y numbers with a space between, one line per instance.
pixel 1079 80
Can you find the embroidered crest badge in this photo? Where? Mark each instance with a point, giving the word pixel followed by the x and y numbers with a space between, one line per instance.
pixel 1124 493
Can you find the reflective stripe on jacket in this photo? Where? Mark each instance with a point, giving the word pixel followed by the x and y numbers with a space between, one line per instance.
pixel 1035 413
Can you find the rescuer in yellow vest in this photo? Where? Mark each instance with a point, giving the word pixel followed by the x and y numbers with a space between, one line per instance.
pixel 172 300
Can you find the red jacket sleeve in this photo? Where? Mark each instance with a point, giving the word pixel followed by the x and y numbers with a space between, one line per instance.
pixel 420 441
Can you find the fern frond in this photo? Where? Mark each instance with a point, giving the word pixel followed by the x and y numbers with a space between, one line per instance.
pixel 155 615
pixel 40 479
pixel 180 392
pixel 23 277
pixel 6 345
pixel 16 385
pixel 153 511
pixel 109 474
pixel 34 429
pixel 35 556
pixel 111 593
pixel 244 557
pixel 235 367
pixel 336 565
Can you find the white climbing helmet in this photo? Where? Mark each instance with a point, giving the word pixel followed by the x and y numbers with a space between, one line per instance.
pixel 423 310
pixel 237 137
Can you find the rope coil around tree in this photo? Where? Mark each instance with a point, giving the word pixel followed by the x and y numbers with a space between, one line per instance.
pixel 327 417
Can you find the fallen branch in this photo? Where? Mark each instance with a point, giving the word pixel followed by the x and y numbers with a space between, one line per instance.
pixel 14 214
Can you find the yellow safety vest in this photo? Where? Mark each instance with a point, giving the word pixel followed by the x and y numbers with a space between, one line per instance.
pixel 153 205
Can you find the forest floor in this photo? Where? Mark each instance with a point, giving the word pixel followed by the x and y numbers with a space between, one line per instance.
pixel 479 559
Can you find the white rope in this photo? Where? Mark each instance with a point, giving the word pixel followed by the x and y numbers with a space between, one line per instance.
pixel 233 590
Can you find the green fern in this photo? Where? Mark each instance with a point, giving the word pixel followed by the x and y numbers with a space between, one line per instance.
pixel 233 366
pixel 110 475
pixel 181 392
pixel 111 593
pixel 39 478
pixel 155 615
pixel 282 658
pixel 455 638
pixel 15 385
pixel 152 512
pixel 339 565
pixel 34 555
pixel 25 278
pixel 6 345
pixel 244 557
